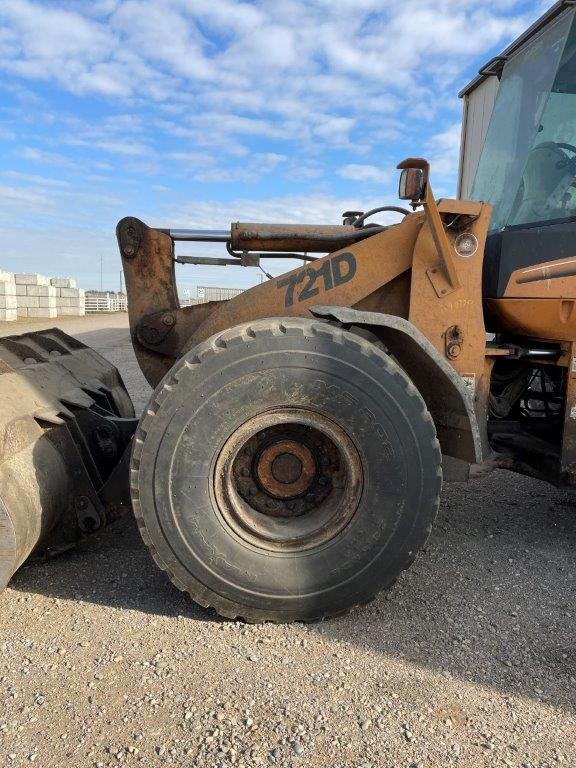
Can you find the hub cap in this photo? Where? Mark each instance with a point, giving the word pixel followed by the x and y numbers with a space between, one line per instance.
pixel 285 469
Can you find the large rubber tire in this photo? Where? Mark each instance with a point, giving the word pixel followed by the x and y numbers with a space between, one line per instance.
pixel 250 371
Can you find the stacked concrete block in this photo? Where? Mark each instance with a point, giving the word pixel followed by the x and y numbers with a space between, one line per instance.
pixel 35 296
pixel 63 282
pixel 69 299
pixel 8 298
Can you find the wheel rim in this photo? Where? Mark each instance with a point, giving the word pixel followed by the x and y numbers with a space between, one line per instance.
pixel 288 480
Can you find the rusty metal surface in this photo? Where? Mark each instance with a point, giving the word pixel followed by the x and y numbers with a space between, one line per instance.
pixel 316 505
pixel 353 275
pixel 448 397
pixel 427 269
pixel 433 314
pixel 147 258
pixel 168 332
pixel 286 468
pixel 343 278
pixel 366 274
pixel 310 238
pixel 387 272
pixel 66 419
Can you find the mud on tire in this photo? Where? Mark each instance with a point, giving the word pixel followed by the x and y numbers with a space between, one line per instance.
pixel 285 470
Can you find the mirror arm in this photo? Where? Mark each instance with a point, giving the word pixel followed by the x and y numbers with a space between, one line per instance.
pixel 434 221
pixel 440 238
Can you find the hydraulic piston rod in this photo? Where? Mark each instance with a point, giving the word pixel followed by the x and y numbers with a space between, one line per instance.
pixel 199 235
pixel 310 238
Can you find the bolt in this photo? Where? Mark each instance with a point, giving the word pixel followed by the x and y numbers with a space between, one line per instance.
pixel 323 480
pixel 81 502
pixel 245 472
pixel 252 490
pixel 168 319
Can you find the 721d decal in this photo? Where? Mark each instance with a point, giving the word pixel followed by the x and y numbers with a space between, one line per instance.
pixel 335 271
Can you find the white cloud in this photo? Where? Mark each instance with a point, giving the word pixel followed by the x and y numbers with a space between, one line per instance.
pixel 297 209
pixel 185 93
pixel 283 78
pixel 50 43
pixel 52 201
pixel 42 157
pixel 129 148
pixel 308 53
pixel 162 35
pixel 32 178
pixel 367 173
pixel 23 196
pixel 444 151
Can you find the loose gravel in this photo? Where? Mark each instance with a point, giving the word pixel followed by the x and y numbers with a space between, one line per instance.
pixel 468 661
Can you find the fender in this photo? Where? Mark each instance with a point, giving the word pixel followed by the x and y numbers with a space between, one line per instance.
pixel 446 395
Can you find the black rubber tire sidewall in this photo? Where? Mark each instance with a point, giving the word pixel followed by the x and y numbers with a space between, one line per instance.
pixel 252 369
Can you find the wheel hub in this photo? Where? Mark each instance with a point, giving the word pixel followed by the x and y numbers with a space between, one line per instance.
pixel 289 478
pixel 286 469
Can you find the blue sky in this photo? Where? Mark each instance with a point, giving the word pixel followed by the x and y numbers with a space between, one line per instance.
pixel 196 113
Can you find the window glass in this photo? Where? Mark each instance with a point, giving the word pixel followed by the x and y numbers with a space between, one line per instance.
pixel 515 173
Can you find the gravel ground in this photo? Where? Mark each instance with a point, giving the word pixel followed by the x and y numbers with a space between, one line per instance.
pixel 468 661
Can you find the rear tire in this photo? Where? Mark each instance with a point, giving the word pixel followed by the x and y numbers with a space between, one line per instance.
pixel 285 470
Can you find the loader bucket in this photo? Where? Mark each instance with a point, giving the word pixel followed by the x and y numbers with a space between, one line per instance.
pixel 66 421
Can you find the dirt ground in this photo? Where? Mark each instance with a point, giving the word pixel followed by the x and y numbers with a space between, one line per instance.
pixel 469 661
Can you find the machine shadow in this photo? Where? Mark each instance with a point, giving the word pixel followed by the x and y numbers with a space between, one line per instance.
pixel 497 577
pixel 111 568
pixel 491 600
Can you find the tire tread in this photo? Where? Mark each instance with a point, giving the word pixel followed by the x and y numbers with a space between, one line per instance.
pixel 188 365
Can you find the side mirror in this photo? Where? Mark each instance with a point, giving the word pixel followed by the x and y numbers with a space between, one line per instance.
pixel 412 184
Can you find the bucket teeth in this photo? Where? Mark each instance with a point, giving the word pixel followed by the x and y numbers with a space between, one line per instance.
pixel 51 417
pixel 77 397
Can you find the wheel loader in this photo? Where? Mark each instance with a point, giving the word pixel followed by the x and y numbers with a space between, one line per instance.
pixel 289 463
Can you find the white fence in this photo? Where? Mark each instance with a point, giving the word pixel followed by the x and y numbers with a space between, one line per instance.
pixel 106 302
pixel 206 293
